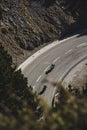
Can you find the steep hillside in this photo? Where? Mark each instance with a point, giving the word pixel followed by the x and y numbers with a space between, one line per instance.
pixel 27 24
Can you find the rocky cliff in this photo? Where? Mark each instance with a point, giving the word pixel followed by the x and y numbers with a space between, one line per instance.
pixel 26 25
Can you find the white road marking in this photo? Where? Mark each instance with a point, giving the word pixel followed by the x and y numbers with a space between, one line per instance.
pixel 38 78
pixel 46 68
pixel 68 52
pixel 42 51
pixel 82 44
pixel 57 94
pixel 56 59
pixel 33 86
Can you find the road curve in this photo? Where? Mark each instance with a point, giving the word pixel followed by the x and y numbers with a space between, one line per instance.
pixel 65 55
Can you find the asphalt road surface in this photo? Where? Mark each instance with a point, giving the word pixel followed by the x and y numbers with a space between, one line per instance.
pixel 65 56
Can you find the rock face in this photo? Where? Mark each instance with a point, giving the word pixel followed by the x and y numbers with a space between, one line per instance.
pixel 27 24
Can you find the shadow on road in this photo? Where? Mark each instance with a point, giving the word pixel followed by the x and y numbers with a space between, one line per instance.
pixel 82 34
pixel 69 33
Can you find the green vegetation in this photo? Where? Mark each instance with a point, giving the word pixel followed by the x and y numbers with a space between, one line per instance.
pixel 17 102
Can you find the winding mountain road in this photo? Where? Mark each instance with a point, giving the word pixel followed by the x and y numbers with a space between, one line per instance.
pixel 65 54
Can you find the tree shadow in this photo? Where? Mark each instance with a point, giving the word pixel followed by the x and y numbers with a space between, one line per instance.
pixel 79 32
pixel 82 33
